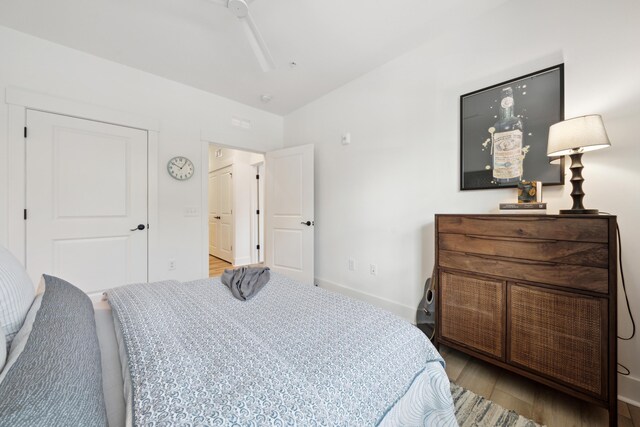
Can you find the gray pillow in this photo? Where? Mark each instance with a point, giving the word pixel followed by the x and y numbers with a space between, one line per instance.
pixel 3 350
pixel 57 378
pixel 16 294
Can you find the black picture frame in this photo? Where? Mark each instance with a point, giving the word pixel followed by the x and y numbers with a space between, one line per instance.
pixel 538 102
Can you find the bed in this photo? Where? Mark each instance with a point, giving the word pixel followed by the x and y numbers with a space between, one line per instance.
pixel 191 354
pixel 292 355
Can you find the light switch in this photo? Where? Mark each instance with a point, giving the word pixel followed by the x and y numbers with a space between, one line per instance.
pixel 191 211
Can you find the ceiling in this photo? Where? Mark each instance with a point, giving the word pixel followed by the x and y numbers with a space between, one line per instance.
pixel 201 44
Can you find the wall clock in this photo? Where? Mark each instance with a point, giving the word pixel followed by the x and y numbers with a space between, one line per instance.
pixel 180 168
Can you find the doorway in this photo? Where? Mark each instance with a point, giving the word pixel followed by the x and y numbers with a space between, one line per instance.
pixel 235 200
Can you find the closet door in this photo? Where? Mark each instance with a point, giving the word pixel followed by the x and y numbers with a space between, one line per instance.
pixel 221 214
pixel 86 199
pixel 213 213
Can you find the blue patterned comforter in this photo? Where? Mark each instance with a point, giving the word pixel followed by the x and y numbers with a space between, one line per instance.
pixel 292 355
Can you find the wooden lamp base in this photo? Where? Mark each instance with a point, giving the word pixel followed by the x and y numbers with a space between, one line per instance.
pixel 577 194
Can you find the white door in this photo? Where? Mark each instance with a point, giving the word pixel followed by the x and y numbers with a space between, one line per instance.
pixel 213 213
pixel 86 197
pixel 221 221
pixel 289 212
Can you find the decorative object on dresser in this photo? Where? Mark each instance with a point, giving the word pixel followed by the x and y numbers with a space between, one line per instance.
pixel 504 130
pixel 529 191
pixel 534 294
pixel 523 208
pixel 574 137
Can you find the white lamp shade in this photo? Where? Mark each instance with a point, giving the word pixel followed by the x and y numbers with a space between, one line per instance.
pixel 577 135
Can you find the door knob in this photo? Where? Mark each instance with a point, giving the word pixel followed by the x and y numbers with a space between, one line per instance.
pixel 139 227
pixel 307 223
pixel 217 217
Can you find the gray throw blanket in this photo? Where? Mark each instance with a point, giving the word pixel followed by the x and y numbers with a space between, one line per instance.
pixel 245 282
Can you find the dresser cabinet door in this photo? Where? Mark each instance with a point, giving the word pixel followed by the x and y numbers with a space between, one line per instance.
pixel 559 335
pixel 473 312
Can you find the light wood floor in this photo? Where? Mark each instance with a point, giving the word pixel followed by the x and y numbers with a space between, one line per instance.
pixel 217 266
pixel 532 400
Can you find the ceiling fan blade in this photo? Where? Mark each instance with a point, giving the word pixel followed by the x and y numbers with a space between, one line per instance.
pixel 257 44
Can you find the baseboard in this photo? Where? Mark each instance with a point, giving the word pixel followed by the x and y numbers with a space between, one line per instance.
pixel 404 311
pixel 629 389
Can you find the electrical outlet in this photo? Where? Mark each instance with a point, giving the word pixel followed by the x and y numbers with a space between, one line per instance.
pixel 373 269
pixel 352 264
pixel 172 264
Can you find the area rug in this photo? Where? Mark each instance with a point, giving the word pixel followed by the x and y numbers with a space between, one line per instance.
pixel 474 410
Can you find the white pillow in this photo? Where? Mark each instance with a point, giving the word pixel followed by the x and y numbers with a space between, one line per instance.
pixel 16 295
pixel 20 340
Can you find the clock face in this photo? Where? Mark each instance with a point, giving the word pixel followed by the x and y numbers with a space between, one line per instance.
pixel 180 168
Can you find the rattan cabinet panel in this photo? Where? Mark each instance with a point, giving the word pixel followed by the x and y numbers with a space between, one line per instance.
pixel 473 312
pixel 559 335
pixel 534 294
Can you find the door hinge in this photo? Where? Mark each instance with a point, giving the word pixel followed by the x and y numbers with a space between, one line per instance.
pixel 25 131
pixel 257 176
pixel 257 211
pixel 25 214
pixel 258 247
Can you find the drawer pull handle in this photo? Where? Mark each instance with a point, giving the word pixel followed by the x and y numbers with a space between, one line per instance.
pixel 509 259
pixel 514 218
pixel 511 239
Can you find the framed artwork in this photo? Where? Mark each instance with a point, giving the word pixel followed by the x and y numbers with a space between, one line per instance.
pixel 504 130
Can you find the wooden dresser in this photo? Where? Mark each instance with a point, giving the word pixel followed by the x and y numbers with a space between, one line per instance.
pixel 534 294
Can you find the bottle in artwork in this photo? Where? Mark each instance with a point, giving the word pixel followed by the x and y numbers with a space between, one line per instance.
pixel 507 142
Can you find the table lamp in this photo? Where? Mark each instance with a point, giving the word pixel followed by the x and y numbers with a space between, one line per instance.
pixel 574 137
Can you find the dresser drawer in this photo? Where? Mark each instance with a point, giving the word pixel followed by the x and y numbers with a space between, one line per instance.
pixel 551 273
pixel 551 250
pixel 531 227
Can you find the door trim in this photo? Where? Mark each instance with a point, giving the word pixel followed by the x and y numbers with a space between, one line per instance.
pixel 21 100
pixel 67 107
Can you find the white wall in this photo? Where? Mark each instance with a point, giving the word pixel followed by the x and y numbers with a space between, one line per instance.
pixel 184 114
pixel 375 198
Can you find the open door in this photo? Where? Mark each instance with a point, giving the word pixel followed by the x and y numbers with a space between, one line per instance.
pixel 290 212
